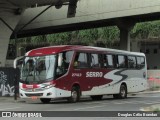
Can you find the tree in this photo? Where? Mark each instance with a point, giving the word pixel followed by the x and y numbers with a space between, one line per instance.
pixel 146 30
pixel 107 35
pixel 58 39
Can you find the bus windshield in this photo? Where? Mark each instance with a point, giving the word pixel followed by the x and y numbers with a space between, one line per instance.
pixel 38 69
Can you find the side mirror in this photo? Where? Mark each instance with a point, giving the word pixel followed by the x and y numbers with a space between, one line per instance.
pixel 18 62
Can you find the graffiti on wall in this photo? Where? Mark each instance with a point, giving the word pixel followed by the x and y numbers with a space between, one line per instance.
pixel 5 88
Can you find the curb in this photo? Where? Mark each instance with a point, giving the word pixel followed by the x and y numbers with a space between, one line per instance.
pixel 146 92
pixel 153 108
pixel 10 99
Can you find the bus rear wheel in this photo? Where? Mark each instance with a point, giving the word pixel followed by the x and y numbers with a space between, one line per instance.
pixel 45 100
pixel 97 97
pixel 75 95
pixel 122 92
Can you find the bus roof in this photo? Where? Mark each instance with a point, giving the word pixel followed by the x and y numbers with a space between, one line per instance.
pixel 60 48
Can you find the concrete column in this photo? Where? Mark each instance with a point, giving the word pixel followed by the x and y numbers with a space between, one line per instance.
pixel 12 20
pixel 135 46
pixel 125 27
pixel 124 39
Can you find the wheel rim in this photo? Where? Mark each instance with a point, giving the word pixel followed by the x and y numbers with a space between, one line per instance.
pixel 123 92
pixel 74 96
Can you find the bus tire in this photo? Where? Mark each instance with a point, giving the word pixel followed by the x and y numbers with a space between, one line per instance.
pixel 97 97
pixel 45 100
pixel 122 93
pixel 75 95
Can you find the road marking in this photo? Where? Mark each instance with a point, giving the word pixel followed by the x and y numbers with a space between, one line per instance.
pixel 152 102
pixel 118 103
pixel 148 103
pixel 89 107
pixel 128 101
pixel 145 109
pixel 10 108
pixel 142 109
pixel 102 102
pixel 147 96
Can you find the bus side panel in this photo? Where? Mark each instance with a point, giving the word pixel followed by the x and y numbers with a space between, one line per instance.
pixel 112 87
pixel 135 81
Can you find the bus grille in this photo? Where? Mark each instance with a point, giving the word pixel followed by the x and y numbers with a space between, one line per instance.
pixel 35 90
pixel 35 94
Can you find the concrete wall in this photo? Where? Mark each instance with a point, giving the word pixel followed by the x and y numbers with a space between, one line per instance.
pixel 152 58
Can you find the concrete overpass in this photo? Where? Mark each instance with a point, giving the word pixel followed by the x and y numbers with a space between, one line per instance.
pixel 11 12
pixel 89 14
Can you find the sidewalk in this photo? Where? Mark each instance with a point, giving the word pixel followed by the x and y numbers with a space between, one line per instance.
pixel 10 99
pixel 149 91
pixel 155 107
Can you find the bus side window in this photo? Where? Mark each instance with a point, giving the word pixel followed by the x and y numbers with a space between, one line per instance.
pixel 110 61
pixel 132 62
pixel 105 61
pixel 80 60
pixel 95 61
pixel 121 61
pixel 64 60
pixel 140 62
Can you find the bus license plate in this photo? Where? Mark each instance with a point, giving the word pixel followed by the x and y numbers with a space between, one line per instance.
pixel 34 97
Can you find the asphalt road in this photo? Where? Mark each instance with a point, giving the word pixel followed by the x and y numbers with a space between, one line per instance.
pixel 132 103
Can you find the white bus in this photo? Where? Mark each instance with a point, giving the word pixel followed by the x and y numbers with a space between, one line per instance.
pixel 73 71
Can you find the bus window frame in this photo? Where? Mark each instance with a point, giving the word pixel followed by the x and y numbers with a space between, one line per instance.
pixel 135 60
pixel 73 60
pixel 99 60
pixel 117 62
pixel 69 66
pixel 113 60
pixel 141 64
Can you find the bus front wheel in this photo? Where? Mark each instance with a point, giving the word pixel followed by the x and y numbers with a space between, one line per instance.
pixel 75 95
